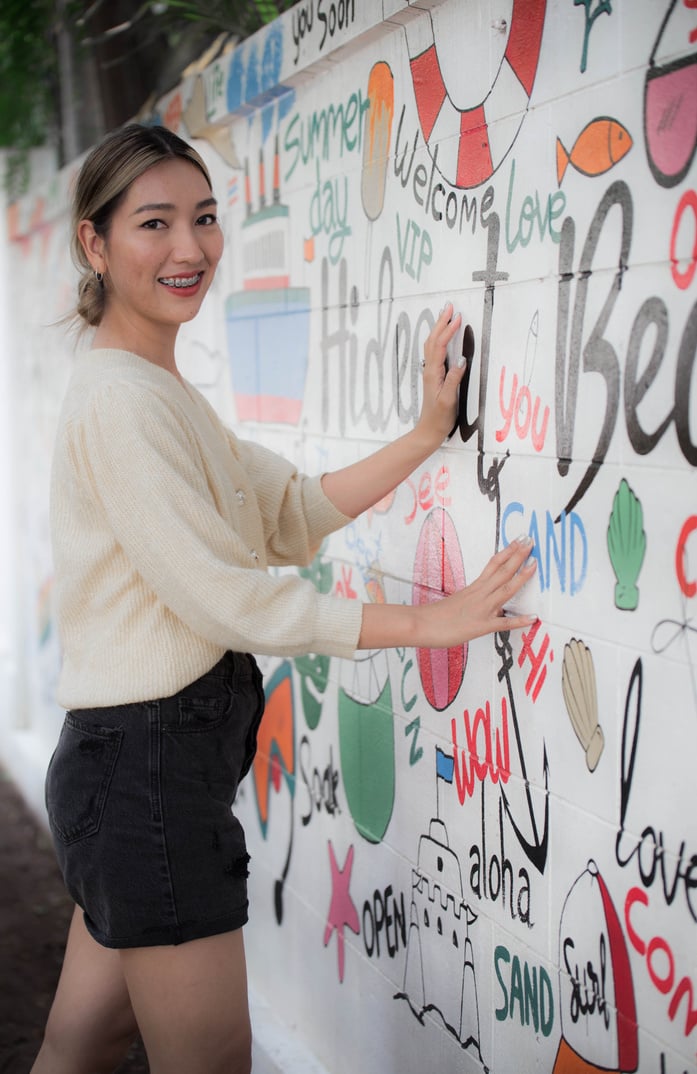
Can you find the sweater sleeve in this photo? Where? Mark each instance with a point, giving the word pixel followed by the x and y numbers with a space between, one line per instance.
pixel 296 514
pixel 144 467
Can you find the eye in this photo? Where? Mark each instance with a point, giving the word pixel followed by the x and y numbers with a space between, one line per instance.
pixel 207 219
pixel 153 225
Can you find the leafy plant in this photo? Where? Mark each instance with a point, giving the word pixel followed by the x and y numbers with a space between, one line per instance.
pixel 27 72
pixel 231 16
pixel 27 83
pixel 121 37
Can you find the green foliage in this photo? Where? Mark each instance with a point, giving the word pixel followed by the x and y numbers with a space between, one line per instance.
pixel 27 72
pixel 29 75
pixel 236 17
pixel 268 11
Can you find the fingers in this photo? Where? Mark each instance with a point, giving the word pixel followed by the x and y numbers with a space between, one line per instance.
pixel 505 575
pixel 448 329
pixel 515 622
pixel 509 560
pixel 446 324
pixel 510 587
pixel 441 335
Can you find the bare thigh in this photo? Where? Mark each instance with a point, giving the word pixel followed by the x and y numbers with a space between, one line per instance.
pixel 91 1024
pixel 191 1004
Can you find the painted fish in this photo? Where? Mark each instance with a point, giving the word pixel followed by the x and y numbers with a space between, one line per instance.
pixel 600 145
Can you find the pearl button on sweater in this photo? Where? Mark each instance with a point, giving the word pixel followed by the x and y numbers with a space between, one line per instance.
pixel 163 525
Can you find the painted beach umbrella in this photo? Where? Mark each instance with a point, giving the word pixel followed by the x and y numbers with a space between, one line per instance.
pixel 597 1005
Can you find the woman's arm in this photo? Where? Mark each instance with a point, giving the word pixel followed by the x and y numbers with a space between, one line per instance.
pixel 469 613
pixel 357 487
pixel 478 608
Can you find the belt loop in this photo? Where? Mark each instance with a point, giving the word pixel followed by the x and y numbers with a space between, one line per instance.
pixel 155 760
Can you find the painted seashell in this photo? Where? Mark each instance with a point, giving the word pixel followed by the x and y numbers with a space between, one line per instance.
pixel 626 543
pixel 581 699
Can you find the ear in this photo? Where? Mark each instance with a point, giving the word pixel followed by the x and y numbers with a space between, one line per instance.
pixel 92 244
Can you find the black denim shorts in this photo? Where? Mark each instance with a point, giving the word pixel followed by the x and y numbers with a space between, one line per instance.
pixel 139 801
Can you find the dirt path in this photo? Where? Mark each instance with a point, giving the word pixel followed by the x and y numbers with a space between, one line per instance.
pixel 34 916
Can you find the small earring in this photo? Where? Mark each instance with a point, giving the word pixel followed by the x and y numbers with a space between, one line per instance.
pixel 99 276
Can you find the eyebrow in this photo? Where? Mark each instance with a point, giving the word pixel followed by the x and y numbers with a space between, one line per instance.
pixel 164 206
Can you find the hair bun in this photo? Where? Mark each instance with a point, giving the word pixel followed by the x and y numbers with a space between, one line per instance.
pixel 90 298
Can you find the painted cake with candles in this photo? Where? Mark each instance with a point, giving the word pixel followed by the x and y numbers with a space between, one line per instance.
pixel 268 321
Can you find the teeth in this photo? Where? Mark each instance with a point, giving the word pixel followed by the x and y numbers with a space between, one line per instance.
pixel 181 281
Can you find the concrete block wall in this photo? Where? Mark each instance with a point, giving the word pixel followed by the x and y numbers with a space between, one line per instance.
pixel 486 858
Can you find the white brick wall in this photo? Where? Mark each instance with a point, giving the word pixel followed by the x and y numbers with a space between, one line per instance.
pixel 482 859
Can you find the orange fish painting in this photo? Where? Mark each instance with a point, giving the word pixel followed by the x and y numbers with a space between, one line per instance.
pixel 600 145
pixel 275 756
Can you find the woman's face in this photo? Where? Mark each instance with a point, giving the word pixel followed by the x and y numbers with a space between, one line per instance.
pixel 162 248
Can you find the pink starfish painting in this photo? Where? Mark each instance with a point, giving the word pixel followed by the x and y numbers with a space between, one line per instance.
pixel 342 910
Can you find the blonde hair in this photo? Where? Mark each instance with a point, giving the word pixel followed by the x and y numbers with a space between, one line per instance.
pixel 103 180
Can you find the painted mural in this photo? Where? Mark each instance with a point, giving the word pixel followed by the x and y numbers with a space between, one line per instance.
pixel 485 858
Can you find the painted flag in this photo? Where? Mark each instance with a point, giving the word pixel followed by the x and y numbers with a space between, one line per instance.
pixel 445 765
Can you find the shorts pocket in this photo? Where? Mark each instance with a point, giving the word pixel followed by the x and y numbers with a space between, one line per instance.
pixel 79 776
pixel 201 713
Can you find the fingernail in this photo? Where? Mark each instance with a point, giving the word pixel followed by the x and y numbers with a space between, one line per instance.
pixel 524 538
pixel 460 362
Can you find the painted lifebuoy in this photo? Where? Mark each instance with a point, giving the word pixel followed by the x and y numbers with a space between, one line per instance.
pixel 472 142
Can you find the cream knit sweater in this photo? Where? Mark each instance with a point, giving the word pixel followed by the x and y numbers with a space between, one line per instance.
pixel 163 525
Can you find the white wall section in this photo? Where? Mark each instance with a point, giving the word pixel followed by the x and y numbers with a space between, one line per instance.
pixel 485 858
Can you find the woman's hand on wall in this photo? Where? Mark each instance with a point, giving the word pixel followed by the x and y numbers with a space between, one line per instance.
pixel 355 488
pixel 441 384
pixel 469 613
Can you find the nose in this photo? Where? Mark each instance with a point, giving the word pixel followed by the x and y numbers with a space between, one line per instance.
pixel 187 246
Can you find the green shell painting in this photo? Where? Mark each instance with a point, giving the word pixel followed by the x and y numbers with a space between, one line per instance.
pixel 626 543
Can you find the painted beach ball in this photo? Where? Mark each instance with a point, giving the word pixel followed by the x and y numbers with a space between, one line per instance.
pixel 438 571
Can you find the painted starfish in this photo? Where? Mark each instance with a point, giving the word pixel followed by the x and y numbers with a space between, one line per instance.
pixel 342 910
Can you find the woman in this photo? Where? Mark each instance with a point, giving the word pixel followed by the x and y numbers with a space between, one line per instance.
pixel 163 524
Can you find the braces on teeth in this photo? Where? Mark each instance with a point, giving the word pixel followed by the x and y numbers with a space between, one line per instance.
pixel 188 282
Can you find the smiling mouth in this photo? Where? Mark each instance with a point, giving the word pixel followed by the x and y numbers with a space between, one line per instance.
pixel 181 281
